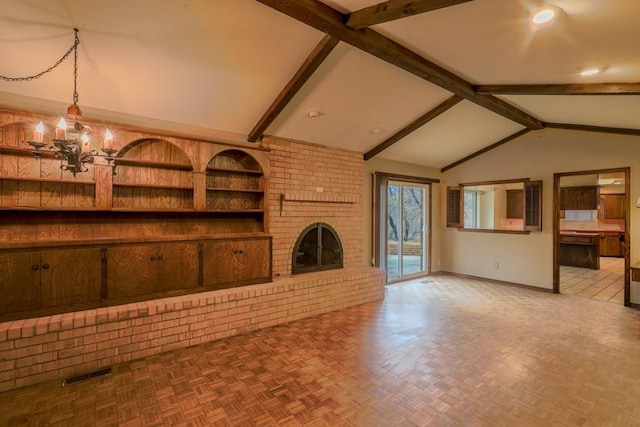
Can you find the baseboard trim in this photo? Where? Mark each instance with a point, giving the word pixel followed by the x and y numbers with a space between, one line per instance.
pixel 499 282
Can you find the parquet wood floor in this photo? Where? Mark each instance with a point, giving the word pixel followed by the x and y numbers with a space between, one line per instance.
pixel 444 351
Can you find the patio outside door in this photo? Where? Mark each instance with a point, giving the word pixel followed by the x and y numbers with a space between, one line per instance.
pixel 406 230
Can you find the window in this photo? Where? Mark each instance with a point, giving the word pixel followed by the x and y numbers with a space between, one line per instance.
pixel 503 206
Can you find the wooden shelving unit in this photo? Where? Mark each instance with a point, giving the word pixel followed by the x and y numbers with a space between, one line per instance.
pixel 235 183
pixel 76 241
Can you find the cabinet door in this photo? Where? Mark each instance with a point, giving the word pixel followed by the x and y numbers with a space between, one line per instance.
pixel 579 198
pixel 614 247
pixel 19 281
pixel 71 276
pixel 255 259
pixel 131 270
pixel 515 203
pixel 614 206
pixel 177 266
pixel 219 261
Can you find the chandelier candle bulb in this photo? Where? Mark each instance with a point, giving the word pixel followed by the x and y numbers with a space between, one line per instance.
pixel 85 142
pixel 108 140
pixel 61 130
pixel 38 134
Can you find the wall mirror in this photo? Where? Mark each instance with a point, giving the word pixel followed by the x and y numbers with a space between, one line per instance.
pixel 509 206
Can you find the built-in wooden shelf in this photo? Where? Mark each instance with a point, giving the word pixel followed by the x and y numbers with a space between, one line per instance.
pixel 54 180
pixel 236 190
pixel 236 210
pixel 230 170
pixel 168 210
pixel 141 185
pixel 152 164
pixel 45 152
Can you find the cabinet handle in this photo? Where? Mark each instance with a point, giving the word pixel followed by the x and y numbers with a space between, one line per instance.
pixel 35 267
pixel 160 257
pixel 153 258
pixel 235 251
pixel 241 251
pixel 45 266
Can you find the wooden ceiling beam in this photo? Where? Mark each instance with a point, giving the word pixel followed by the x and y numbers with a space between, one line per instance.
pixel 485 149
pixel 310 65
pixel 588 128
pixel 561 89
pixel 328 20
pixel 435 112
pixel 395 9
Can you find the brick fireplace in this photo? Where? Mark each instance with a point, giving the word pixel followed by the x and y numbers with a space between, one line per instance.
pixel 308 184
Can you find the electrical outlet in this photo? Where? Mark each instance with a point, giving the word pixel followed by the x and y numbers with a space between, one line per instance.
pixel 319 189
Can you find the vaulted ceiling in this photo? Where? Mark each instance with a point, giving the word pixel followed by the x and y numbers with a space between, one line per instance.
pixel 431 82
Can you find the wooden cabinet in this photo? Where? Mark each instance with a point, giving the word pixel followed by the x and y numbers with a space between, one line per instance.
pixel 240 261
pixel 150 268
pixel 163 219
pixel 610 245
pixel 579 198
pixel 71 276
pixel 515 203
pixel 19 281
pixel 31 280
pixel 612 206
pixel 580 250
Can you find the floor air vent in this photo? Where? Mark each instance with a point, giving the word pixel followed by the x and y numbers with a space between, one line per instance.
pixel 84 377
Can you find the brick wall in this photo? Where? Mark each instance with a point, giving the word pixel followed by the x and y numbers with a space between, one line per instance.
pixel 311 183
pixel 60 346
pixel 56 347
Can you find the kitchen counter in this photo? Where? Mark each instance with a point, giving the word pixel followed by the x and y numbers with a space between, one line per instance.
pixel 580 233
pixel 580 249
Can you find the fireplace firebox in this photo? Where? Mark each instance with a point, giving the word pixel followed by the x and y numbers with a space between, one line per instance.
pixel 318 248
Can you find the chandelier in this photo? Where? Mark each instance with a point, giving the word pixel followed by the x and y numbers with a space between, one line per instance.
pixel 72 138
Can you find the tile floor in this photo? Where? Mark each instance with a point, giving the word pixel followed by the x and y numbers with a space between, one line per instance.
pixel 441 351
pixel 606 284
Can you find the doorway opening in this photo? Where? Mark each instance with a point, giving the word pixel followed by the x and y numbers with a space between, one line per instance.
pixel 402 225
pixel 591 234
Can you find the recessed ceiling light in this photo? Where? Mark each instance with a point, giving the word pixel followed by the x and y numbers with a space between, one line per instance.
pixel 591 71
pixel 376 129
pixel 313 113
pixel 543 16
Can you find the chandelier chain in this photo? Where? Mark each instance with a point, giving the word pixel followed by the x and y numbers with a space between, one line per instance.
pixel 73 48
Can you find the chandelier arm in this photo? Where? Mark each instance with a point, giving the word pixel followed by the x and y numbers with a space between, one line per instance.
pixel 73 48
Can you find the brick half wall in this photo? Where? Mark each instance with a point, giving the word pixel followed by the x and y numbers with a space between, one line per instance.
pixel 65 345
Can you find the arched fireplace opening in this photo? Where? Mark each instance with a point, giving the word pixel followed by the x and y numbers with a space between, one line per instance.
pixel 318 248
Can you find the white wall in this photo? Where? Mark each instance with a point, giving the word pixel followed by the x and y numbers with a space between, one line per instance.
pixel 388 166
pixel 528 259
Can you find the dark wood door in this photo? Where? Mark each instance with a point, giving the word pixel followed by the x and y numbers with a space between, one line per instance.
pixel 70 276
pixel 131 270
pixel 256 260
pixel 579 198
pixel 236 261
pixel 515 203
pixel 177 266
pixel 19 281
pixel 614 206
pixel 218 257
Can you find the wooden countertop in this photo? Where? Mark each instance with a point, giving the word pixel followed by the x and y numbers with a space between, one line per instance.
pixel 126 240
pixel 592 230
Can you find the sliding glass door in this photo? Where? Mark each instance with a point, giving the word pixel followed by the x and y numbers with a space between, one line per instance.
pixel 406 229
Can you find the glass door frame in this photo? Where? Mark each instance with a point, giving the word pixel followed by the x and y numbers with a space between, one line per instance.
pixel 379 217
